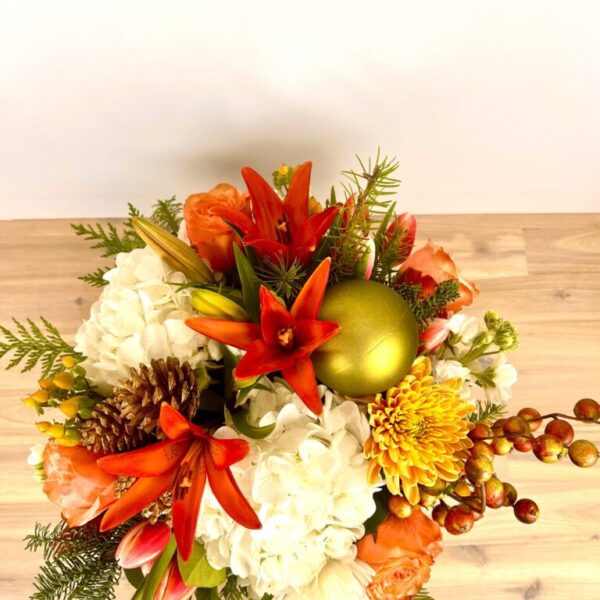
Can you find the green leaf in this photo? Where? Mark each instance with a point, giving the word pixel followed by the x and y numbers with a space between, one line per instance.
pixel 249 283
pixel 135 577
pixel 207 594
pixel 240 420
pixel 198 572
pixel 150 586
pixel 381 511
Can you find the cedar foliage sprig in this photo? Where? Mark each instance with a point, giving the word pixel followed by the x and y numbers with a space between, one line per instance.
pixel 487 412
pixel 368 188
pixel 426 308
pixel 34 344
pixel 79 562
pixel 422 595
pixel 107 238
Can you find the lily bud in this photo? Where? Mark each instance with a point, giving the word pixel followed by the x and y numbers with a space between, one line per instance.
pixel 435 334
pixel 173 251
pixel 364 267
pixel 172 586
pixel 402 233
pixel 213 304
pixel 143 543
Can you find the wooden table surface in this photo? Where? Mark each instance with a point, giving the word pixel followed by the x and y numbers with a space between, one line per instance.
pixel 542 272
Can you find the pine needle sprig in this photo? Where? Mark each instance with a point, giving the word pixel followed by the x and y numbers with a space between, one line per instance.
pixel 367 190
pixel 285 280
pixel 79 563
pixel 487 412
pixel 428 308
pixel 31 344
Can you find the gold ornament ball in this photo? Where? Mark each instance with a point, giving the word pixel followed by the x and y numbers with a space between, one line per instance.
pixel 377 343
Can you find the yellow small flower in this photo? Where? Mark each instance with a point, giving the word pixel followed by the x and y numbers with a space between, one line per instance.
pixel 419 432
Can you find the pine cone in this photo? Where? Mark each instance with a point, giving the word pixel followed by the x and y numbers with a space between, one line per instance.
pixel 160 509
pixel 130 418
pixel 163 381
pixel 108 432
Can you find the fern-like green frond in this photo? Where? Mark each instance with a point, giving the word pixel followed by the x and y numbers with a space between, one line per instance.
pixel 488 412
pixel 31 344
pixel 422 595
pixel 96 278
pixel 168 214
pixel 79 563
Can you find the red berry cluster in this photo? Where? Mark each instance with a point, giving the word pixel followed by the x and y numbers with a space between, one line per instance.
pixel 479 487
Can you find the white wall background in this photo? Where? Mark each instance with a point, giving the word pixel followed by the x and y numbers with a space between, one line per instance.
pixel 490 106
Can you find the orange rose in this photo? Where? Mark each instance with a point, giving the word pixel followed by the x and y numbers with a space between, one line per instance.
pixel 430 265
pixel 212 238
pixel 401 556
pixel 76 484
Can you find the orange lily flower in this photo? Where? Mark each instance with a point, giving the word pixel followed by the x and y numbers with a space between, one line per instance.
pixel 280 229
pixel 283 341
pixel 182 463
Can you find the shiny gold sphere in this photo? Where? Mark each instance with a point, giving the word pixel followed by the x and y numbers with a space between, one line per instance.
pixel 377 343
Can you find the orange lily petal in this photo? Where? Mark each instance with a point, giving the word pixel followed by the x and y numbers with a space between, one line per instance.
pixel 301 377
pixel 273 317
pixel 226 452
pixel 267 248
pixel 143 492
pixel 234 333
pixel 308 238
pixel 312 334
pixel 187 495
pixel 150 461
pixel 234 217
pixel 261 359
pixel 296 200
pixel 266 204
pixel 309 300
pixel 173 423
pixel 230 497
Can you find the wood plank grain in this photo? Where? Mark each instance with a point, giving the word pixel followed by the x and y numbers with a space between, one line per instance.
pixel 540 271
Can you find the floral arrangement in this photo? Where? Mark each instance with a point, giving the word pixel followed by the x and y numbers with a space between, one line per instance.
pixel 274 399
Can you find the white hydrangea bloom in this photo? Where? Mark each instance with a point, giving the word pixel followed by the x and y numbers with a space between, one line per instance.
pixel 139 316
pixel 308 484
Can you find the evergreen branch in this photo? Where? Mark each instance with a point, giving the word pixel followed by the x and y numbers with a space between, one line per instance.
pixel 108 239
pixel 487 412
pixel 32 345
pixel 366 193
pixel 79 562
pixel 422 595
pixel 168 214
pixel 96 278
pixel 426 308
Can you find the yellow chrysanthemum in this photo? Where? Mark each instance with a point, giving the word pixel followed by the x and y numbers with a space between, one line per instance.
pixel 419 432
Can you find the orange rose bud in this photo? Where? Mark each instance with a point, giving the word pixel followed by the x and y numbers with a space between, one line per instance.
pixel 76 484
pixel 210 235
pixel 401 553
pixel 430 265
